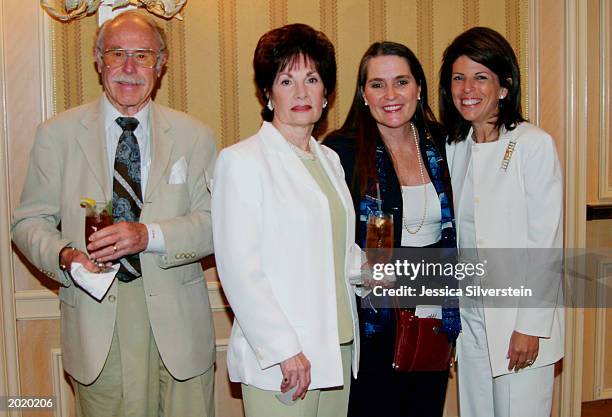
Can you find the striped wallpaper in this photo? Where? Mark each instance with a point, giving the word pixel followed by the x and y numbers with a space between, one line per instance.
pixel 209 74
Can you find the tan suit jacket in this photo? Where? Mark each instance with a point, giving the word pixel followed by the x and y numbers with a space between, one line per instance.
pixel 68 161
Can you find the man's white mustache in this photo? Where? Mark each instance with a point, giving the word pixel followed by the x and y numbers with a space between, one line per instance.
pixel 122 78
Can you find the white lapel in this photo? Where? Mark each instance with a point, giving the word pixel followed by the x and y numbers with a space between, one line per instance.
pixel 276 144
pixel 458 155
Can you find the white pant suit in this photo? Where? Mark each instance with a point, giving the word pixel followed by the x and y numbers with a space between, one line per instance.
pixel 505 203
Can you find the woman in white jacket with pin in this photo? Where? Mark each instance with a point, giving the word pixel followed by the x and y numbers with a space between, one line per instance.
pixel 508 194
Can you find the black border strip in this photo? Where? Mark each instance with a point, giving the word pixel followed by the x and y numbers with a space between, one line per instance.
pixel 599 212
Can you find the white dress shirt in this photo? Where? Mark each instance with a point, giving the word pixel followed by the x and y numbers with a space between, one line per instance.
pixel 113 132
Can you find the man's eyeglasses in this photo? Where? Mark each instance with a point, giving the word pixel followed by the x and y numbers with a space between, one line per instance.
pixel 113 58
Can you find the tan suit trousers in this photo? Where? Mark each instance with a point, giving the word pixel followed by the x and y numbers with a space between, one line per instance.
pixel 134 381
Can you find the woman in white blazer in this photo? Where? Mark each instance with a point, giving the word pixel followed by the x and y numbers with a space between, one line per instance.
pixel 283 223
pixel 508 192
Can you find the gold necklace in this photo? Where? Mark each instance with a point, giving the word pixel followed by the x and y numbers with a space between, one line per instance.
pixel 422 172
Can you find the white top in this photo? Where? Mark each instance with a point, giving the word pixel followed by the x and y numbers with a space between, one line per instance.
pixel 470 197
pixel 113 132
pixel 413 201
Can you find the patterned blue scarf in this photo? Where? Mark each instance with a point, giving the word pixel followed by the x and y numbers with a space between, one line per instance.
pixel 438 171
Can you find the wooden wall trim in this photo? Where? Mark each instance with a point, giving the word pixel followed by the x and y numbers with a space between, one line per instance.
pixel 44 304
pixel 36 305
pixel 601 211
pixel 9 360
pixel 575 190
pixel 45 39
pixel 601 391
pixel 61 388
pixel 605 163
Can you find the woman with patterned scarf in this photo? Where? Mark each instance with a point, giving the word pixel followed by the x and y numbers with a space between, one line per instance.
pixel 391 147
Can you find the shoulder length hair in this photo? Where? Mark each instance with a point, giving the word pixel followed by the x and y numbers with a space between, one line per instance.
pixel 491 49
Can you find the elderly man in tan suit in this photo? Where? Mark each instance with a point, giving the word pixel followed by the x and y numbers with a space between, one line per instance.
pixel 147 348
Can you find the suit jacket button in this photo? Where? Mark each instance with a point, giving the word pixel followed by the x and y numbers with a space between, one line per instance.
pixel 111 298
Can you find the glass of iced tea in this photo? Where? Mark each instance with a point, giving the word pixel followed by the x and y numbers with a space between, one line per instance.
pixel 379 238
pixel 97 216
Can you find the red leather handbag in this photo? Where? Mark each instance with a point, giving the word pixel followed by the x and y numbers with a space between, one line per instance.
pixel 420 344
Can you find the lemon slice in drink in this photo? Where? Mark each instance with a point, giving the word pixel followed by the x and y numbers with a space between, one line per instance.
pixel 87 202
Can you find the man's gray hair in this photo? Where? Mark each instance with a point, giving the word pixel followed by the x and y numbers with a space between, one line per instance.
pixel 159 32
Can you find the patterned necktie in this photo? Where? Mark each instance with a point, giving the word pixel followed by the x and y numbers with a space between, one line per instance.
pixel 127 191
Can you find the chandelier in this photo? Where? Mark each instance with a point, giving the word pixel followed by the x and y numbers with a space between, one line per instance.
pixel 77 9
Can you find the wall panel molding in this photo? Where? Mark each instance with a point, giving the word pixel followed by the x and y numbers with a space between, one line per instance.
pixel 44 304
pixel 61 387
pixel 9 359
pixel 575 25
pixel 36 305
pixel 602 391
pixel 62 390
pixel 47 89
pixel 605 137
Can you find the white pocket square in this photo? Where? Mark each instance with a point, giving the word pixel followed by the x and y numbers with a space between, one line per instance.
pixel 178 173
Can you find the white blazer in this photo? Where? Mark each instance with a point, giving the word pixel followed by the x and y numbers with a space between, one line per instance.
pixel 520 207
pixel 273 247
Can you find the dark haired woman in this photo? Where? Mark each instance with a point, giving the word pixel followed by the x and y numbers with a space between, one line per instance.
pixel 390 140
pixel 508 194
pixel 283 232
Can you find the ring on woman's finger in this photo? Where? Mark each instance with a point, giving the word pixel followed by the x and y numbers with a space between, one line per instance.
pixel 114 248
pixel 529 362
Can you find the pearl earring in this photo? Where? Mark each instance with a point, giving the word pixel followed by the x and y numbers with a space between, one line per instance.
pixel 270 106
pixel 324 102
